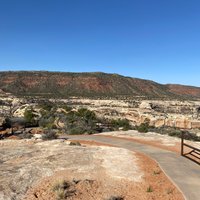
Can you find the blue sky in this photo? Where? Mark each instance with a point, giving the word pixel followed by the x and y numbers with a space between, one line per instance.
pixel 151 39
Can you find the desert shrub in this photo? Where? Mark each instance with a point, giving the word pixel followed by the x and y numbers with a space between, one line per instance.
pixel 47 106
pixel 45 123
pixel 80 122
pixel 143 127
pixel 7 123
pixel 86 114
pixel 92 131
pixel 176 133
pixel 49 135
pixel 66 108
pixel 149 189
pixel 61 185
pixel 62 190
pixel 190 136
pixel 61 194
pixel 120 123
pixel 30 116
pixel 76 131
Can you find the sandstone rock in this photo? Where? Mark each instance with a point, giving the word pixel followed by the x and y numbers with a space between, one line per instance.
pixel 19 112
pixel 145 105
pixel 144 119
pixel 195 124
pixel 183 123
pixel 59 124
pixel 160 122
pixel 26 162
pixel 170 122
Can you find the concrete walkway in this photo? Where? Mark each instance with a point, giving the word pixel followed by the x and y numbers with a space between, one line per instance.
pixel 183 173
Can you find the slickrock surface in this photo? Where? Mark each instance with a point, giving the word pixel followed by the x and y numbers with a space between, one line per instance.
pixel 24 163
pixel 30 169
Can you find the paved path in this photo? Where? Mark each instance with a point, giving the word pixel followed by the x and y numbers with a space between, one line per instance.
pixel 184 173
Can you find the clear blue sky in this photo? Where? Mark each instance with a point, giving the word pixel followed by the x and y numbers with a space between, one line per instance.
pixel 150 39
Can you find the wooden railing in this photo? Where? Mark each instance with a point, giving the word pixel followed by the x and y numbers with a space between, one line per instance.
pixel 193 152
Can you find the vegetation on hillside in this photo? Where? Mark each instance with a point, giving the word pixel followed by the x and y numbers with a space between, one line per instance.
pixel 59 85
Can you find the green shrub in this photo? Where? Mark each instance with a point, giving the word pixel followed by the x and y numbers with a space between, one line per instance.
pixel 120 123
pixel 86 114
pixel 7 123
pixel 29 115
pixel 47 106
pixel 176 133
pixel 76 131
pixel 191 136
pixel 149 189
pixel 80 122
pixel 66 108
pixel 143 127
pixel 47 121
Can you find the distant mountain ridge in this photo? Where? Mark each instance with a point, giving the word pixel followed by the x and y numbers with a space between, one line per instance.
pixel 65 84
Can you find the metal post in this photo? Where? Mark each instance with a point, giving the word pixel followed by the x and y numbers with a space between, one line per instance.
pixel 182 143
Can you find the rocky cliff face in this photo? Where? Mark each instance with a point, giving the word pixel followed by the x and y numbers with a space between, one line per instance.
pixel 173 113
pixel 89 85
pixel 180 114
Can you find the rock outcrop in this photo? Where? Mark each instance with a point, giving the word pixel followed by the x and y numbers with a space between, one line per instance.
pixel 180 114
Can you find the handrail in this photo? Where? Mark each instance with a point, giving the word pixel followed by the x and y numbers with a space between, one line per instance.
pixel 194 150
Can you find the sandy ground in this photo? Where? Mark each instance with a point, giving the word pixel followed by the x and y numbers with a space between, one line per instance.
pixel 30 170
